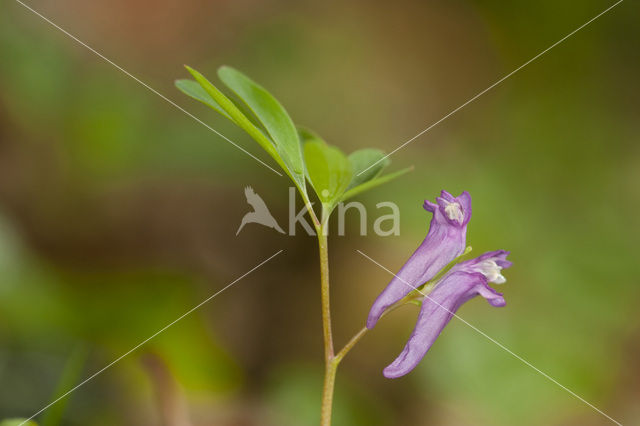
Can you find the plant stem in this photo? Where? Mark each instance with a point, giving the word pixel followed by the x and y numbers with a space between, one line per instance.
pixel 324 292
pixel 331 360
pixel 330 365
pixel 327 392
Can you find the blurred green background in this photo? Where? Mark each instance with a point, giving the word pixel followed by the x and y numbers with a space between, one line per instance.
pixel 118 212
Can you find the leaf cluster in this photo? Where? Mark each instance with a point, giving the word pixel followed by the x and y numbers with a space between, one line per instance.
pixel 302 154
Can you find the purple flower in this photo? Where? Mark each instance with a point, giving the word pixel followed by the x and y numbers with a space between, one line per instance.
pixel 444 242
pixel 461 283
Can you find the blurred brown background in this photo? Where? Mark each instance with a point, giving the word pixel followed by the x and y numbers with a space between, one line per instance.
pixel 118 212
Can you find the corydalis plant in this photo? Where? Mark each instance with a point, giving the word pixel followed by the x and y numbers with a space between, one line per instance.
pixel 335 177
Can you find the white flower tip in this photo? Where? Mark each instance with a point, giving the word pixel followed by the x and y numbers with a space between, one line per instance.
pixel 500 279
pixel 454 212
pixel 492 271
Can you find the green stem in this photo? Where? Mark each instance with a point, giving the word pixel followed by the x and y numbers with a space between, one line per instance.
pixel 324 293
pixel 332 360
pixel 330 364
pixel 331 369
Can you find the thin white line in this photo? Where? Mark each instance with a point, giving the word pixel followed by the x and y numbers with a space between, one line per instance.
pixel 149 87
pixel 496 342
pixel 151 337
pixel 493 85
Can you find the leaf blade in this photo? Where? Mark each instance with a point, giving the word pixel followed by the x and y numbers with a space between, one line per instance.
pixel 236 115
pixel 367 164
pixel 271 114
pixel 328 169
pixel 245 123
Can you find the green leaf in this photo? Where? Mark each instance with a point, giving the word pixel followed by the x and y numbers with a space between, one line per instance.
pixel 196 91
pixel 329 171
pixel 374 182
pixel 307 135
pixel 366 164
pixel 271 114
pixel 247 122
pixel 237 116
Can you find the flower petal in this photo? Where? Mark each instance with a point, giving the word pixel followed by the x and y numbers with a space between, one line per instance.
pixel 437 309
pixel 445 241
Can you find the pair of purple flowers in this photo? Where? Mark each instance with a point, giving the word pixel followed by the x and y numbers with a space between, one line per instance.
pixel 445 241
